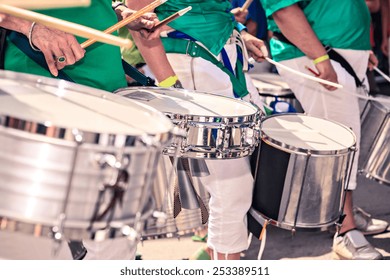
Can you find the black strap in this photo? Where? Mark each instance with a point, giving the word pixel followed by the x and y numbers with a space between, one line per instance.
pixel 137 75
pixel 333 55
pixel 3 41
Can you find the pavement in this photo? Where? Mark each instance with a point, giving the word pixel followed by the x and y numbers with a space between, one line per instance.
pixel 280 244
pixel 370 195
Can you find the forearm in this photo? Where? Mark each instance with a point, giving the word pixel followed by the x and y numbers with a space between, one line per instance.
pixel 293 24
pixel 154 55
pixel 151 50
pixel 16 24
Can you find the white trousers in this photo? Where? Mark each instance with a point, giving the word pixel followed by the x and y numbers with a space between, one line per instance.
pixel 230 184
pixel 339 105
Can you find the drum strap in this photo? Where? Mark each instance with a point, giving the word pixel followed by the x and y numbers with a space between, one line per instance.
pixel 189 46
pixel 3 42
pixel 333 55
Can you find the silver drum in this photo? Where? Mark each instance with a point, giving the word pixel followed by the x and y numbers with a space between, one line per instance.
pixel 374 159
pixel 74 161
pixel 216 127
pixel 303 167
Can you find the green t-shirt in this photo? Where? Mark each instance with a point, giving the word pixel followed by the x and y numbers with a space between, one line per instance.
pixel 340 24
pixel 208 21
pixel 100 68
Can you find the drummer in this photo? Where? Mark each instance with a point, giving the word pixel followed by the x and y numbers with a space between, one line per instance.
pixel 302 29
pixel 36 49
pixel 213 27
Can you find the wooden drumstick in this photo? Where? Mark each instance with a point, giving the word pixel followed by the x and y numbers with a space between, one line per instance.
pixel 246 4
pixel 45 4
pixel 66 26
pixel 124 22
pixel 171 18
pixel 322 81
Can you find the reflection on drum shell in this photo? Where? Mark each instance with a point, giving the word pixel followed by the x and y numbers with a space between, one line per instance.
pixel 299 188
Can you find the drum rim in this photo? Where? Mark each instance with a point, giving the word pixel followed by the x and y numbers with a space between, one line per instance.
pixel 256 109
pixel 59 131
pixel 290 148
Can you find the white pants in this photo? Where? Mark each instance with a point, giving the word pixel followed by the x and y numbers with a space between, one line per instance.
pixel 230 184
pixel 338 105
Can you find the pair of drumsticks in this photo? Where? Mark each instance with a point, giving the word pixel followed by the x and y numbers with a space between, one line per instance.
pixel 84 31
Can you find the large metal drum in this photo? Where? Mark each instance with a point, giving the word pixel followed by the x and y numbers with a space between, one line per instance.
pixel 74 161
pixel 303 167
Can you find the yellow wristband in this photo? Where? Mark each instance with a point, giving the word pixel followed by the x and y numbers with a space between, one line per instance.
pixel 168 82
pixel 321 59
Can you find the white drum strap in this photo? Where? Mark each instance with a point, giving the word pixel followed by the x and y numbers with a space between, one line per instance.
pixel 236 36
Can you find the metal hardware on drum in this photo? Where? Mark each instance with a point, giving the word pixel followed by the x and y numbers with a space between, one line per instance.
pixel 75 162
pixel 302 170
pixel 374 159
pixel 163 224
pixel 216 127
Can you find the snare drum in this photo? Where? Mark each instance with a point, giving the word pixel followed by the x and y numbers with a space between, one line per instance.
pixel 275 92
pixel 74 161
pixel 303 167
pixel 374 159
pixel 162 223
pixel 216 127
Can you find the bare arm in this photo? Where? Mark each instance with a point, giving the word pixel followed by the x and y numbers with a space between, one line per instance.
pixel 151 49
pixel 294 25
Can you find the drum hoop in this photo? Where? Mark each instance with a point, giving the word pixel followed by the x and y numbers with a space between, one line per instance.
pixel 61 133
pixel 237 121
pixel 124 92
pixel 289 148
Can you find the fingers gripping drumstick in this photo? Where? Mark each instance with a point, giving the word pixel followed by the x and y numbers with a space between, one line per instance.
pixel 127 20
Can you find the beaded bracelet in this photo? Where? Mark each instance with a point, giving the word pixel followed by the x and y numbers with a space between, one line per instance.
pixel 30 37
pixel 321 59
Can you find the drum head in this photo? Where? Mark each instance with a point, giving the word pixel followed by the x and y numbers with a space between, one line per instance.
pixel 299 132
pixel 190 103
pixel 60 104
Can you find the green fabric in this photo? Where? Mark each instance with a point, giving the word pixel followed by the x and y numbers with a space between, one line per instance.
pixel 193 49
pixel 207 22
pixel 100 68
pixel 338 23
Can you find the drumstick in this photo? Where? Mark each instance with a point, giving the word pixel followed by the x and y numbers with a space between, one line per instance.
pixel 382 74
pixel 322 81
pixel 171 18
pixel 246 4
pixel 124 22
pixel 45 4
pixel 65 26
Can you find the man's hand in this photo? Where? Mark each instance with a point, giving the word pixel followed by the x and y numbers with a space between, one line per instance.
pixel 256 47
pixel 143 24
pixel 59 48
